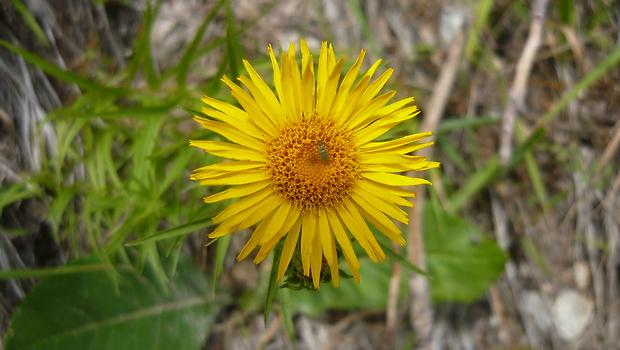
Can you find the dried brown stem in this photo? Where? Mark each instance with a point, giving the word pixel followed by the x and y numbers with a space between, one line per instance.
pixel 516 102
pixel 421 312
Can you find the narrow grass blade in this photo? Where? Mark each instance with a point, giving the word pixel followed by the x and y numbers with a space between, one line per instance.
pixel 612 61
pixel 535 173
pixel 362 21
pixel 192 48
pixel 452 153
pixel 173 232
pixel 60 73
pixel 285 299
pixel 56 271
pixel 220 254
pixel 17 192
pixel 273 284
pixel 482 17
pixel 31 22
pixel 233 48
pixel 402 260
pixel 460 123
pixel 534 254
pixel 475 182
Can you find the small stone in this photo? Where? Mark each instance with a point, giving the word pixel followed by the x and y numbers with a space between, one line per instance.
pixel 572 312
pixel 582 274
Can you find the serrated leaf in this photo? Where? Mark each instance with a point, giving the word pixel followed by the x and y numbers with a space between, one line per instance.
pixel 462 261
pixel 88 310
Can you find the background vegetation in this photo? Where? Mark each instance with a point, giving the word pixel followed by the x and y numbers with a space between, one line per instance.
pixel 103 237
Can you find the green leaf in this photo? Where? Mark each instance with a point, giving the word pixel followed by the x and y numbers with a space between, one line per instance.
pixel 462 261
pixel 87 310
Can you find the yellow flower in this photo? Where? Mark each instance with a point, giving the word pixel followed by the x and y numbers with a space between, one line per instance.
pixel 306 164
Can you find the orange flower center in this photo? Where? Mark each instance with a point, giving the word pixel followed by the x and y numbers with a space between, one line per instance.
pixel 314 163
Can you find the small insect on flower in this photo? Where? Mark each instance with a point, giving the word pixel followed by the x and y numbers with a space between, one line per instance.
pixel 323 152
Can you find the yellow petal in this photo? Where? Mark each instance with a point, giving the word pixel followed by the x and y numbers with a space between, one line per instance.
pixel 352 100
pixel 238 191
pixel 244 204
pixel 290 245
pixel 371 71
pixel 246 218
pixel 255 238
pixel 390 194
pixel 378 219
pixel 277 75
pixel 358 228
pixel 232 178
pixel 330 90
pixel 404 149
pixel 322 75
pixel 250 105
pixel 233 113
pixel 229 150
pixel 386 207
pixel 227 167
pixel 329 246
pixel 376 86
pixel 249 127
pixel 395 179
pixel 288 99
pixel 393 107
pixel 380 189
pixel 316 260
pixel 382 125
pixel 366 113
pixel 345 243
pixel 273 239
pixel 308 231
pixel 347 83
pixel 307 85
pixel 276 110
pixel 387 145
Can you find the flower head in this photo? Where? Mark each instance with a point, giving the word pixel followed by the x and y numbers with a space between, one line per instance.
pixel 305 164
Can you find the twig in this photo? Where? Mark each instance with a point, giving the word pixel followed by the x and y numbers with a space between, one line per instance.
pixel 613 246
pixel 516 102
pixel 391 313
pixel 421 312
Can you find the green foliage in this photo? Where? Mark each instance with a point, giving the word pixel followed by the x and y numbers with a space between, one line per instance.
pixel 369 294
pixel 129 205
pixel 462 261
pixel 88 310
